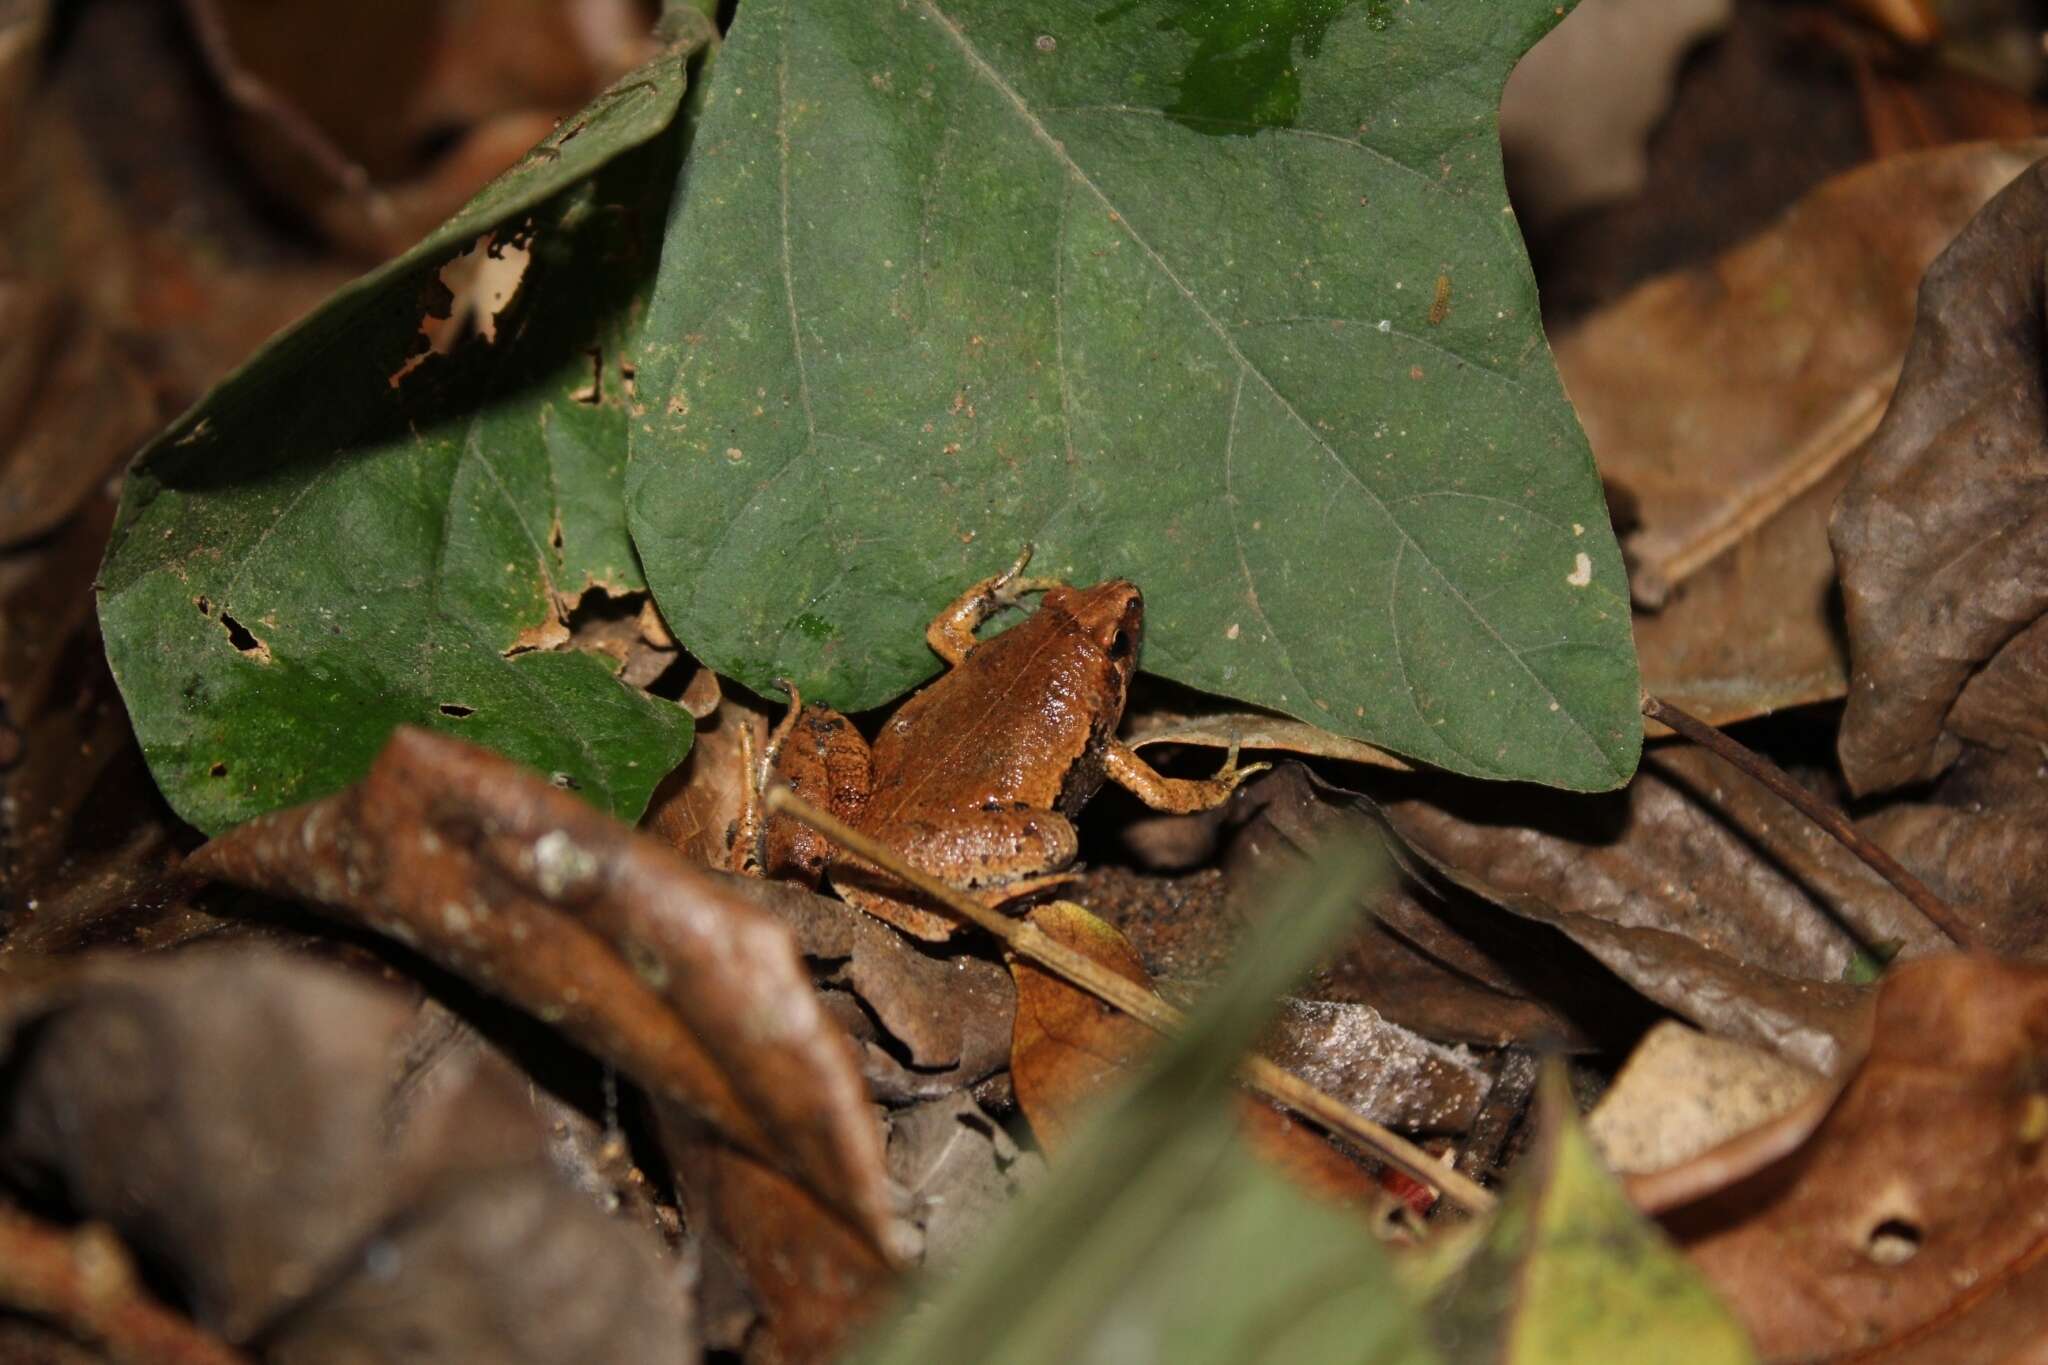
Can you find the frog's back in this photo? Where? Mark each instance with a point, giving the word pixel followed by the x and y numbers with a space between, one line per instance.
pixel 1008 725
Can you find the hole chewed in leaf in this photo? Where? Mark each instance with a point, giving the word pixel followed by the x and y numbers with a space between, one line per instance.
pixel 456 711
pixel 1894 1241
pixel 468 295
pixel 241 638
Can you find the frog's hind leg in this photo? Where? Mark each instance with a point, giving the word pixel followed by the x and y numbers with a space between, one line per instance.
pixel 994 856
pixel 951 633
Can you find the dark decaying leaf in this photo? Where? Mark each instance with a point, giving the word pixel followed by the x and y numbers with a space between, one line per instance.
pixel 606 934
pixel 960 1169
pixel 87 847
pixel 1915 1214
pixel 1977 841
pixel 1695 885
pixel 946 1012
pixel 1940 536
pixel 1158 296
pixel 313 555
pixel 1567 1272
pixel 1434 959
pixel 72 407
pixel 236 1116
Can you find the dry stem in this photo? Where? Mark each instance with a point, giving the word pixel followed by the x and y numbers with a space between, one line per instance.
pixel 1026 940
pixel 1938 912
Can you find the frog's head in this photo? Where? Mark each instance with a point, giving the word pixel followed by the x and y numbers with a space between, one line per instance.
pixel 1112 615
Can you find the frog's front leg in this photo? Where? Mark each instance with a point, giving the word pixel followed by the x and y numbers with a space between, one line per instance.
pixel 951 633
pixel 1178 795
pixel 993 855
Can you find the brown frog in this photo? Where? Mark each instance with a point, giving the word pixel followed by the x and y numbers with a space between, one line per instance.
pixel 977 778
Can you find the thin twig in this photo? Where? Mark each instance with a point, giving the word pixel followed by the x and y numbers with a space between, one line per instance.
pixel 1938 911
pixel 1028 941
pixel 82 1280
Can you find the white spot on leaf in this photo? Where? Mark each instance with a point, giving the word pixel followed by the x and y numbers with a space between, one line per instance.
pixel 1582 570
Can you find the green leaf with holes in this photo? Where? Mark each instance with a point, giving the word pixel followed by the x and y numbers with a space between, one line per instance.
pixel 316 553
pixel 1222 298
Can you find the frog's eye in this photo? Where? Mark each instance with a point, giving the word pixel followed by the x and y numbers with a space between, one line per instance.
pixel 1120 643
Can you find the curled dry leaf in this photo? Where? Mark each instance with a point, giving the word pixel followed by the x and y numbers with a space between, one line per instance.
pixel 1071 1050
pixel 240 1117
pixel 1715 397
pixel 1695 885
pixel 1914 1214
pixel 1942 536
pixel 1724 403
pixel 608 935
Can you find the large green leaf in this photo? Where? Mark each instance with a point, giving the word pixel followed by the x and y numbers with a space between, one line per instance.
pixel 1225 298
pixel 1568 1271
pixel 1161 1238
pixel 312 556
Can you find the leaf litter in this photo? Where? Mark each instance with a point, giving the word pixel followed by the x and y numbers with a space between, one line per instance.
pixel 1691 892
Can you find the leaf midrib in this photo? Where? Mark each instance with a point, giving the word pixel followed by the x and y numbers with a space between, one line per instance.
pixel 981 68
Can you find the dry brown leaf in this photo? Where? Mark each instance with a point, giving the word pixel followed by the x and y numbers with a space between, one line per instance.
pixel 946 1009
pixel 812 1281
pixel 1694 884
pixel 1978 843
pixel 1072 1052
pixel 380 118
pixel 251 1122
pixel 1682 1092
pixel 1940 536
pixel 72 407
pixel 609 936
pixel 1441 962
pixel 697 807
pixel 1716 395
pixel 1915 1215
